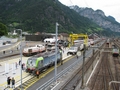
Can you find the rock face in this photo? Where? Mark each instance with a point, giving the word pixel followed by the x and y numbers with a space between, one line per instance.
pixel 99 18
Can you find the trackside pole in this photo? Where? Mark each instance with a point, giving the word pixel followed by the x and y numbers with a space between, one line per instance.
pixel 82 83
pixel 56 50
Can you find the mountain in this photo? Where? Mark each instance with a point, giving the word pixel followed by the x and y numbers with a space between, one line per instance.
pixel 98 17
pixel 41 16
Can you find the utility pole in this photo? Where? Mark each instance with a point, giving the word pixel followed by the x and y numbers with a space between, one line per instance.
pixel 93 57
pixel 56 49
pixel 82 83
pixel 20 55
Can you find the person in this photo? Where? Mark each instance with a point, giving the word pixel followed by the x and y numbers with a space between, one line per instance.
pixel 17 48
pixel 37 73
pixel 13 83
pixel 3 52
pixel 61 62
pixel 11 51
pixel 22 66
pixel 77 56
pixel 16 65
pixel 8 82
pixel 19 62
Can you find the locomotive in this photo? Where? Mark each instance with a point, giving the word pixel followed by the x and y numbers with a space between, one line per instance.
pixel 115 52
pixel 34 50
pixel 42 61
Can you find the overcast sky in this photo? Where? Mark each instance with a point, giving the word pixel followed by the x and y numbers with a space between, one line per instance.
pixel 109 7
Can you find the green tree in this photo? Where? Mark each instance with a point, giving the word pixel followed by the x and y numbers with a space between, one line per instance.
pixel 3 29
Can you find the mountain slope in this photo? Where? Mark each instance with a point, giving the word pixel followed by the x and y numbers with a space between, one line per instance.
pixel 41 15
pixel 98 17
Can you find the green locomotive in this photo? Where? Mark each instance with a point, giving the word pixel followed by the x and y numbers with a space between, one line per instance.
pixel 42 61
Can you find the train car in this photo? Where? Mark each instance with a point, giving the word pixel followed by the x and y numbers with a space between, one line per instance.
pixel 91 42
pixel 115 52
pixel 34 50
pixel 108 41
pixel 50 40
pixel 50 47
pixel 42 61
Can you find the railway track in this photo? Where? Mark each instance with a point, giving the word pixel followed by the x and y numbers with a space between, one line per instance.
pixel 108 70
pixel 117 70
pixel 117 65
pixel 72 83
pixel 103 75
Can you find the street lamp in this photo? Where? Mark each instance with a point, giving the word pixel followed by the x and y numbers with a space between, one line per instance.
pixel 21 55
pixel 56 49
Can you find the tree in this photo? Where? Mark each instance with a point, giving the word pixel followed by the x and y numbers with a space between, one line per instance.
pixel 3 29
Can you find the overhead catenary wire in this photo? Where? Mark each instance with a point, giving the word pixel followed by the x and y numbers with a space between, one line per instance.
pixel 86 3
pixel 71 2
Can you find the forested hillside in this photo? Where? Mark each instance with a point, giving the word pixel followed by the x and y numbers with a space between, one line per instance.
pixel 41 15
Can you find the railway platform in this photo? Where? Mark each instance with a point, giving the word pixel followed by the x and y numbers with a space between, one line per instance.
pixel 9 69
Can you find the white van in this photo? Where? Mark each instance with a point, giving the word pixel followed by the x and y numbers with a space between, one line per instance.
pixel 72 50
